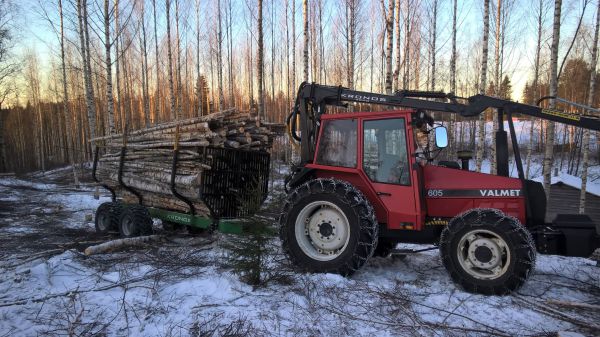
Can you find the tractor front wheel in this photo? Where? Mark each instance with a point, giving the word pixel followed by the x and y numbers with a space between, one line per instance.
pixel 487 252
pixel 327 225
pixel 107 217
pixel 135 221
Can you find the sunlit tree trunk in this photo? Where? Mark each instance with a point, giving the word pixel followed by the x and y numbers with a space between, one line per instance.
pixel 482 84
pixel 549 148
pixel 306 42
pixel 65 98
pixel 586 133
pixel 174 115
pixel 260 63
pixel 389 30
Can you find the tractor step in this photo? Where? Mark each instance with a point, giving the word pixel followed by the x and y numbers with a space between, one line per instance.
pixel 410 251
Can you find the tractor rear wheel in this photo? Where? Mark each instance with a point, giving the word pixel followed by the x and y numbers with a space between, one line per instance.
pixel 487 252
pixel 135 221
pixel 328 226
pixel 107 217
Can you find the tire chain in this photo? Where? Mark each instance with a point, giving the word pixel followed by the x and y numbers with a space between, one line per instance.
pixel 479 216
pixel 355 199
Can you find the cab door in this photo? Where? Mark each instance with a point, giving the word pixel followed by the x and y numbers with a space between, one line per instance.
pixel 387 165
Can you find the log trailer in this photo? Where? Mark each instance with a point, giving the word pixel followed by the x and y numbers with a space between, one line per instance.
pixel 362 186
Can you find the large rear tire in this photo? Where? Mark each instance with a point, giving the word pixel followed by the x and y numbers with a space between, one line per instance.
pixel 135 221
pixel 487 252
pixel 328 226
pixel 107 217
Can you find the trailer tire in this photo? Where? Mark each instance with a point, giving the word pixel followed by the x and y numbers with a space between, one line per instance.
pixel 135 221
pixel 344 206
pixel 107 217
pixel 487 252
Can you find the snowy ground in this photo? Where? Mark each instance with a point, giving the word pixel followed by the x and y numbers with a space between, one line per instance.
pixel 184 287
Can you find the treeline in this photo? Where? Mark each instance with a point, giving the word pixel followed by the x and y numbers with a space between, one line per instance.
pixel 117 65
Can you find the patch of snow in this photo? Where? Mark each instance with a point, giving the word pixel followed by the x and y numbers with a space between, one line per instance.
pixel 575 182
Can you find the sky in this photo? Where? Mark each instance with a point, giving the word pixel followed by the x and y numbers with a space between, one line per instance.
pixel 37 35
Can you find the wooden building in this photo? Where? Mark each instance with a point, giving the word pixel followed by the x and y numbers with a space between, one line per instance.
pixel 564 197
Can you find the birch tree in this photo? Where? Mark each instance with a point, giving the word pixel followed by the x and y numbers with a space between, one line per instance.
pixel 174 115
pixel 220 57
pixel 306 41
pixel 110 104
pixel 157 66
pixel 497 77
pixel 260 62
pixel 549 148
pixel 482 83
pixel 536 77
pixel 65 98
pixel 389 30
pixel 87 70
pixel 586 133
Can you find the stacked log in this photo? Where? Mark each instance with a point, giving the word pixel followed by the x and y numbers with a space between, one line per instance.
pixel 149 156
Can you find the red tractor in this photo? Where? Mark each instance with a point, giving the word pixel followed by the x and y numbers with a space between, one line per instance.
pixel 363 185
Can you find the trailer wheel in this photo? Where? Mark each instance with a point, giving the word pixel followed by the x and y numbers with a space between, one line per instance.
pixel 135 221
pixel 328 226
pixel 487 252
pixel 107 217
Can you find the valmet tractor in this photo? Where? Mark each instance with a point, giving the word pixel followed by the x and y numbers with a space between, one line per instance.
pixel 363 185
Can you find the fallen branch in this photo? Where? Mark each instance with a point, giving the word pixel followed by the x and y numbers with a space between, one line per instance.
pixel 120 244
pixel 574 304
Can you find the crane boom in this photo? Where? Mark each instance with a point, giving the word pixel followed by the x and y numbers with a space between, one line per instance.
pixel 312 101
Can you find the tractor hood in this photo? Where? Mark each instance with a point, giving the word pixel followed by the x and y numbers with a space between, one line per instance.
pixel 449 192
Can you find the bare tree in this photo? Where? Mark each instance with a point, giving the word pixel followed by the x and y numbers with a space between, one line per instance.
pixel 586 133
pixel 351 22
pixel 144 51
pixel 198 89
pixel 174 115
pixel 482 83
pixel 110 104
pixel 65 98
pixel 87 69
pixel 549 148
pixel 260 63
pixel 220 56
pixel 306 42
pixel 536 77
pixel 497 77
pixel 8 69
pixel 433 41
pixel 157 83
pixel 389 30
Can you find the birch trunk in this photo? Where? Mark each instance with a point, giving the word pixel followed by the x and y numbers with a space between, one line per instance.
pixel 389 30
pixel 157 81
pixel 145 89
pixel 198 89
pixel 482 84
pixel 178 74
pixel 452 132
pixel 398 45
pixel 294 46
pixel 433 44
pixel 65 100
pixel 110 104
pixel 535 89
pixel 497 77
pixel 549 148
pixel 259 62
pixel 351 40
pixel 87 72
pixel 306 42
pixel 120 112
pixel 220 57
pixel 586 133
pixel 170 60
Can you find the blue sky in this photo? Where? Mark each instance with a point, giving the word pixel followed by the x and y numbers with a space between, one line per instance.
pixel 519 52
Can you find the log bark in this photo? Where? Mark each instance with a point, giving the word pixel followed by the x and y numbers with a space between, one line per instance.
pixel 119 244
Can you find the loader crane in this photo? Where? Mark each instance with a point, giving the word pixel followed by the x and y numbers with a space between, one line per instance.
pixel 361 186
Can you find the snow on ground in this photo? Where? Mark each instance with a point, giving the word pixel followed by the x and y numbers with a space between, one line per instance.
pixel 184 287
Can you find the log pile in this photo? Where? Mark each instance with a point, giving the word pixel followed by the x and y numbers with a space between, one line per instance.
pixel 149 156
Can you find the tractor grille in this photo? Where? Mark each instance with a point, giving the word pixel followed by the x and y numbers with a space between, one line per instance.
pixel 237 183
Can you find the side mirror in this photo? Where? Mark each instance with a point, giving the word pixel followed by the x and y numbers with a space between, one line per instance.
pixel 441 137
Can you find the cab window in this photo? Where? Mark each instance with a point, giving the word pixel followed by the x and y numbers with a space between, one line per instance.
pixel 337 146
pixel 385 158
